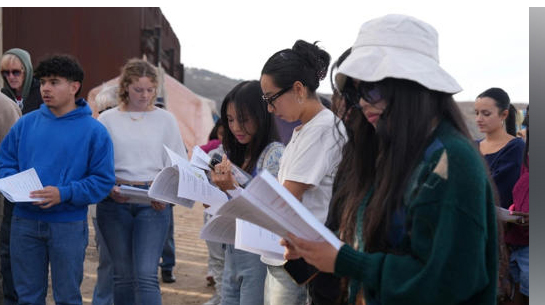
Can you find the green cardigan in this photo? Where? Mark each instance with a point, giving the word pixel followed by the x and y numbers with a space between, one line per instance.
pixel 451 245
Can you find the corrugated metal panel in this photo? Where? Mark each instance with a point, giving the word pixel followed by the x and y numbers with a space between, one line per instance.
pixel 102 39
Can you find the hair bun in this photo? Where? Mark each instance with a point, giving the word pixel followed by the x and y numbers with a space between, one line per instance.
pixel 316 58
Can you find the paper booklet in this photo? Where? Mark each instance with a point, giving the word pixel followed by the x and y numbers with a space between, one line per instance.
pixel 17 188
pixel 183 184
pixel 220 229
pixel 255 239
pixel 267 204
pixel 202 160
pixel 140 196
pixel 243 235
pixel 505 215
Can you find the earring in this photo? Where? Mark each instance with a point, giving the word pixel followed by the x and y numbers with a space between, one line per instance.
pixel 299 101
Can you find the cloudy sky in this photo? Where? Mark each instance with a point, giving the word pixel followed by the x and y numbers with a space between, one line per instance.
pixel 481 43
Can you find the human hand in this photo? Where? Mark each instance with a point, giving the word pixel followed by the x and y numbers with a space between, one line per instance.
pixel 290 252
pixel 158 206
pixel 321 255
pixel 524 220
pixel 50 196
pixel 116 195
pixel 222 175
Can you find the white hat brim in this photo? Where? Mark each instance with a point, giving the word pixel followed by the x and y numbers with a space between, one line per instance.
pixel 375 63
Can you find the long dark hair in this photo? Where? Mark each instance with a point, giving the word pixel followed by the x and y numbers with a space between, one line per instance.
pixel 343 109
pixel 214 133
pixel 246 97
pixel 385 158
pixel 304 62
pixel 503 102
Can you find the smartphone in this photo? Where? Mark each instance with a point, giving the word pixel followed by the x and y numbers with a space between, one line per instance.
pixel 300 271
pixel 214 160
pixel 242 177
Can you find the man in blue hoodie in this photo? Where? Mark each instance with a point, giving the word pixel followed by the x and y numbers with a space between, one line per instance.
pixel 73 156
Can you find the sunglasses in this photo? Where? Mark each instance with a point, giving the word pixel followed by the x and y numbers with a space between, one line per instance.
pixel 270 99
pixel 6 73
pixel 369 92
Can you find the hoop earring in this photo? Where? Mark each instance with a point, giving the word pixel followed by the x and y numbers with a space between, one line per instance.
pixel 299 101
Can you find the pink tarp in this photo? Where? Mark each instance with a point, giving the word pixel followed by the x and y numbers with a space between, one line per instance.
pixel 194 116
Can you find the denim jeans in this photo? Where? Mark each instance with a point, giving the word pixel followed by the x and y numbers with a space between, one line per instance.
pixel 280 289
pixel 169 250
pixel 135 235
pixel 216 264
pixel 104 287
pixel 519 267
pixel 243 278
pixel 34 246
pixel 10 296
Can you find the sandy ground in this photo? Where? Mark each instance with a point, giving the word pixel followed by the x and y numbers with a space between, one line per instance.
pixel 191 262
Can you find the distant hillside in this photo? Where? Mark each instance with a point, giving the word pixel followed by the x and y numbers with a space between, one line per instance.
pixel 215 86
pixel 209 84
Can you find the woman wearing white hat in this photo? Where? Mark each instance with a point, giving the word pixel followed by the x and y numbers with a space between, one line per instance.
pixel 416 211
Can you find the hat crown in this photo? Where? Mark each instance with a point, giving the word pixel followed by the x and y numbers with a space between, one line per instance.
pixel 399 31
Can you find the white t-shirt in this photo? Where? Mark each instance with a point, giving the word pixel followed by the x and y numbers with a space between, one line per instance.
pixel 138 139
pixel 312 157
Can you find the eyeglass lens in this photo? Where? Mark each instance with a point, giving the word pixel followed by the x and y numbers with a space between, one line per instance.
pixel 6 73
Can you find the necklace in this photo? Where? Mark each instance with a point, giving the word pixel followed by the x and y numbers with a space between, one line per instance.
pixel 134 119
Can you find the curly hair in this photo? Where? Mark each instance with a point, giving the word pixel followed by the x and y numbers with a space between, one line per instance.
pixel 134 69
pixel 61 65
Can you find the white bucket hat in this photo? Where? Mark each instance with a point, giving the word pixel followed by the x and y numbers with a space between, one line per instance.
pixel 397 46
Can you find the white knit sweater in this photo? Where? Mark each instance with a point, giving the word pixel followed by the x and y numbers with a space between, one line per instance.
pixel 138 139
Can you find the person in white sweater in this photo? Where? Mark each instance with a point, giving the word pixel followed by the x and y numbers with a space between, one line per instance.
pixel 135 233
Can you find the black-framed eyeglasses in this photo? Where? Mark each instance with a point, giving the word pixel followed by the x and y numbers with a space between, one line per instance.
pixel 369 92
pixel 15 72
pixel 270 99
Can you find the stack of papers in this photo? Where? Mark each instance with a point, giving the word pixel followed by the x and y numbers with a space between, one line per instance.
pixel 271 211
pixel 17 188
pixel 183 184
pixel 201 160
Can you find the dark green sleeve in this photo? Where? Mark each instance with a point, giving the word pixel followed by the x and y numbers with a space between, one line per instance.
pixel 452 252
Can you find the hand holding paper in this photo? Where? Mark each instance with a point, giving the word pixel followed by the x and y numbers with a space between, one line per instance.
pixel 266 203
pixel 118 196
pixel 222 175
pixel 507 216
pixel 17 188
pixel 320 254
pixel 48 196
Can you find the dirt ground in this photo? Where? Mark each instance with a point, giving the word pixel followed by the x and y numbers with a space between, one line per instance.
pixel 191 262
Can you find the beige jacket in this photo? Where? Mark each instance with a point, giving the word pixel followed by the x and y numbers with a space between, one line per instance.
pixel 9 114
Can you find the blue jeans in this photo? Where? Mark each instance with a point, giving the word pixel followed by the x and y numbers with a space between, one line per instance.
pixel 104 287
pixel 10 296
pixel 519 267
pixel 37 244
pixel 243 278
pixel 280 289
pixel 169 250
pixel 135 235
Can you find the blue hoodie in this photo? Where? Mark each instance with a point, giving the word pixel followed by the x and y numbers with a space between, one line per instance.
pixel 73 152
